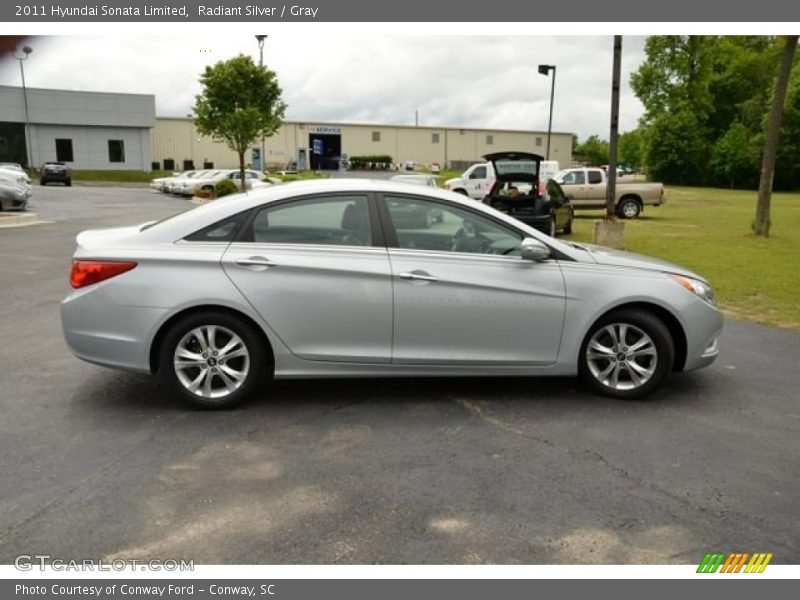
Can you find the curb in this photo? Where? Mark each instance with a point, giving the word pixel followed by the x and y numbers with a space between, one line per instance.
pixel 9 220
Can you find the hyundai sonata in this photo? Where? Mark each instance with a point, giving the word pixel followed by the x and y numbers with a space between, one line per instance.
pixel 319 279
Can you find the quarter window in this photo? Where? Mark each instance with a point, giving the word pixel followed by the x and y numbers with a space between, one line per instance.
pixel 424 225
pixel 336 221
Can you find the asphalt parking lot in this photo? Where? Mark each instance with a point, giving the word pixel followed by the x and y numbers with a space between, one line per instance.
pixel 102 464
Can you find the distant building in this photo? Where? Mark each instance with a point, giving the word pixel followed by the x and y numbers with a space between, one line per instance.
pixel 98 130
pixel 88 130
pixel 177 145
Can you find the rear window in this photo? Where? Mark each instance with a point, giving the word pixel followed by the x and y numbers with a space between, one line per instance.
pixel 506 167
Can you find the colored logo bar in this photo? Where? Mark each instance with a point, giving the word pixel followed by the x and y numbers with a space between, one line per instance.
pixel 736 562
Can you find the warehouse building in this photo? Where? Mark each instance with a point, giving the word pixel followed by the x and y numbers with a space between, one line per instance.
pixel 177 145
pixel 98 130
pixel 87 130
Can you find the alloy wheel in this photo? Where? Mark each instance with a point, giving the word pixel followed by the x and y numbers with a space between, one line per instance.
pixel 211 361
pixel 621 356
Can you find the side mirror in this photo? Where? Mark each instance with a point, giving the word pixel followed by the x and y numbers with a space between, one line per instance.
pixel 533 249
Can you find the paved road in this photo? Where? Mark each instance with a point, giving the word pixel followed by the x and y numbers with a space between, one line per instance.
pixel 96 463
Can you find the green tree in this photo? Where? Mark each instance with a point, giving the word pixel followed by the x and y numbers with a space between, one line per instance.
pixel 734 158
pixel 593 150
pixel 677 148
pixel 632 148
pixel 240 103
pixel 677 73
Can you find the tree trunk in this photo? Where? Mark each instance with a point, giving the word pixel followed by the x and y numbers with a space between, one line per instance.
pixel 762 222
pixel 242 180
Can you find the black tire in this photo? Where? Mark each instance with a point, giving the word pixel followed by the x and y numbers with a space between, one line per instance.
pixel 69 183
pixel 259 362
pixel 43 181
pixel 629 208
pixel 662 343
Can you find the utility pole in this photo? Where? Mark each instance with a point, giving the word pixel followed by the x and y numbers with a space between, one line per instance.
pixel 26 52
pixel 545 70
pixel 611 188
pixel 260 39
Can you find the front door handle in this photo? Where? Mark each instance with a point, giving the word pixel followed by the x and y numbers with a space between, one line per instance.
pixel 417 276
pixel 255 261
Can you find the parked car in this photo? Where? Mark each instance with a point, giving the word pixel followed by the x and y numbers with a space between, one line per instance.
pixel 15 189
pixel 161 184
pixel 316 279
pixel 477 180
pixel 57 172
pixel 428 180
pixel 516 191
pixel 207 181
pixel 174 185
pixel 587 187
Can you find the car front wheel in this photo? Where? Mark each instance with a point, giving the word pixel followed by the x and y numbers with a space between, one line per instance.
pixel 213 360
pixel 626 354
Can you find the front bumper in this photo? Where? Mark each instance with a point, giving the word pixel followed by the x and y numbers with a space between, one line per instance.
pixel 703 325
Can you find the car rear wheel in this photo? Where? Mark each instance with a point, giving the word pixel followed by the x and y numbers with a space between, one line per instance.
pixel 69 183
pixel 626 354
pixel 213 360
pixel 629 208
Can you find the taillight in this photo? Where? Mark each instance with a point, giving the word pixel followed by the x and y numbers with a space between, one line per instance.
pixel 87 272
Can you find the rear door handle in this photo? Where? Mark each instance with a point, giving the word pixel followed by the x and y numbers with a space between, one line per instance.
pixel 255 261
pixel 417 276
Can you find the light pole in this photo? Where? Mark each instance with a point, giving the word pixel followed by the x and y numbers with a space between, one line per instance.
pixel 260 39
pixel 545 70
pixel 26 52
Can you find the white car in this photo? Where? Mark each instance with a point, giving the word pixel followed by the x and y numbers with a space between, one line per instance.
pixel 15 188
pixel 159 183
pixel 173 185
pixel 208 180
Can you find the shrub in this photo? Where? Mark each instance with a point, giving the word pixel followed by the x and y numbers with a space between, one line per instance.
pixel 224 188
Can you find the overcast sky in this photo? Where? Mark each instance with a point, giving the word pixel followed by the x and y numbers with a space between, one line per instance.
pixel 469 81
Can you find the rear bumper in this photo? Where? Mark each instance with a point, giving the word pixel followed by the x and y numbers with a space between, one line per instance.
pixel 100 331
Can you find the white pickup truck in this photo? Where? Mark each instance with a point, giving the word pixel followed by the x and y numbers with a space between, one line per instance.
pixel 476 181
pixel 587 188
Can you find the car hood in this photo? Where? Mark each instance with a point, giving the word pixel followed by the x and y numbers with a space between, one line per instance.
pixel 619 258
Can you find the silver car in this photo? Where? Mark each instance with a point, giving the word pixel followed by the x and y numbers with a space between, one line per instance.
pixel 328 278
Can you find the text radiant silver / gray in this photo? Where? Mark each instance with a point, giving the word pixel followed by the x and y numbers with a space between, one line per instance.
pixel 356 278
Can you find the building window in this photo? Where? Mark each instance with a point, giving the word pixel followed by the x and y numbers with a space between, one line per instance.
pixel 490 140
pixel 64 150
pixel 376 136
pixel 434 138
pixel 116 151
pixel 538 141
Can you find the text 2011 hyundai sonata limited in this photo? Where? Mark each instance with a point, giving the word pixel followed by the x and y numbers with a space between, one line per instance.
pixel 332 279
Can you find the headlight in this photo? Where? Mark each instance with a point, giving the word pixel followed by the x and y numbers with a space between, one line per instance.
pixel 698 288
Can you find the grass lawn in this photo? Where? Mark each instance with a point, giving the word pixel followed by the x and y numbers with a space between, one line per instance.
pixel 119 176
pixel 708 231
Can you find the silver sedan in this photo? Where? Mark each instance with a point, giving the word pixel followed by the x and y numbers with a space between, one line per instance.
pixel 337 278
